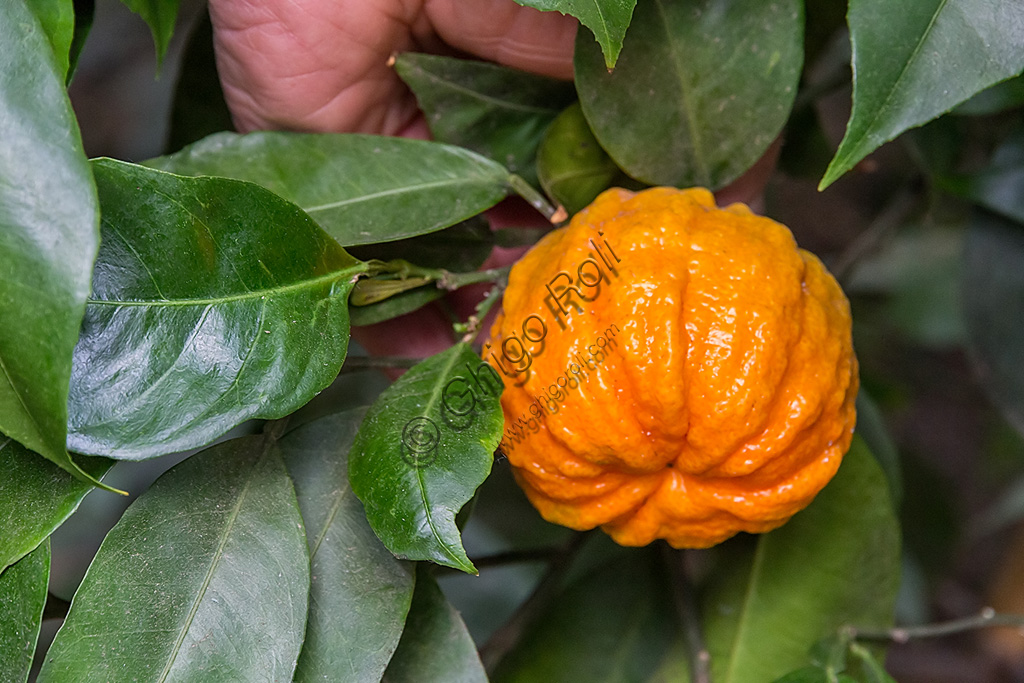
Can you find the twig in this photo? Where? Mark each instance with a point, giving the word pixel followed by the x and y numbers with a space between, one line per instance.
pixel 889 218
pixel 452 281
pixel 901 634
pixel 468 329
pixel 506 637
pixel 689 615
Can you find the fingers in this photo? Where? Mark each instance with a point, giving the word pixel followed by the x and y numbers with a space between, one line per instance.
pixel 313 65
pixel 322 65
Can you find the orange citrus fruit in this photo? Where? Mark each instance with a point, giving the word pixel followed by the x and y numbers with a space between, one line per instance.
pixel 673 370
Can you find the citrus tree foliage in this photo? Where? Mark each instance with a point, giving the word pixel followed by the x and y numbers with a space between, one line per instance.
pixel 146 309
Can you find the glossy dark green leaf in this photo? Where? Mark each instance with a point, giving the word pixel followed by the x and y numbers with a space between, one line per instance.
pixel 214 301
pixel 1000 97
pixel 460 248
pixel 45 496
pixel 613 625
pixel 392 307
pixel 199 108
pixel 835 563
pixel 607 19
pixel 48 237
pixel 994 302
pixel 57 18
pixel 161 16
pixel 359 592
pixel 498 112
pixel 204 578
pixel 425 446
pixel 361 189
pixel 22 598
pixel 999 186
pixel 435 645
pixel 912 61
pixel 572 167
pixel 700 91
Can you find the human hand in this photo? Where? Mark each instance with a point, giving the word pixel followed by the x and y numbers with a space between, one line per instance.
pixel 322 65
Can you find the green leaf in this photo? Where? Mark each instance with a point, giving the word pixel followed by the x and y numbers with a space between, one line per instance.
pixel 572 167
pixel 161 16
pixel 912 61
pixel 435 645
pixel 48 238
pixel 614 624
pixel 835 563
pixel 361 189
pixel 57 18
pixel 993 293
pixel 607 19
pixel 999 186
pixel 204 578
pixel 22 598
pixel 210 295
pixel 394 306
pixel 498 112
pixel 46 495
pixel 367 292
pixel 199 108
pixel 425 446
pixel 359 593
pixel 700 92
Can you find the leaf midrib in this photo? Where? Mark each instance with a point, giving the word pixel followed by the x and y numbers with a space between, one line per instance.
pixel 692 125
pixel 360 267
pixel 427 410
pixel 489 99
pixel 906 67
pixel 232 517
pixel 404 189
pixel 21 400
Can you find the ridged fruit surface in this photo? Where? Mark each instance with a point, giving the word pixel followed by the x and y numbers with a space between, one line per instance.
pixel 673 370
